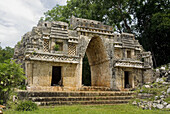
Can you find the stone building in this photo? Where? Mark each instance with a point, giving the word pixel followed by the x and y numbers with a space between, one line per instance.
pixel 52 56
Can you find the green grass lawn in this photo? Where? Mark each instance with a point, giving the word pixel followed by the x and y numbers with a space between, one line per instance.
pixel 90 109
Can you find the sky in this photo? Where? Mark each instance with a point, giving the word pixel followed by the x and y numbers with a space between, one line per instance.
pixel 18 17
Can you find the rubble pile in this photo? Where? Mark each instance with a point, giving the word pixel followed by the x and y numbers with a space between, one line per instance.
pixel 155 95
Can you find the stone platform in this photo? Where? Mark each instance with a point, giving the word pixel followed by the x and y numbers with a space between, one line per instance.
pixel 62 88
pixel 43 98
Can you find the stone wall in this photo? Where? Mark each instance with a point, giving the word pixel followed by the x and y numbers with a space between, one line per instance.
pixel 40 73
pixel 135 78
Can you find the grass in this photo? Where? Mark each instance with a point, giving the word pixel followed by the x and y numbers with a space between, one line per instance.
pixel 167 100
pixel 90 109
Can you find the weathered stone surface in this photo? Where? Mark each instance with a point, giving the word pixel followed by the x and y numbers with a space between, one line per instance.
pixel 165 103
pixel 162 68
pixel 168 106
pixel 134 103
pixel 168 79
pixel 159 80
pixel 159 106
pixel 76 97
pixel 147 86
pixel 117 61
pixel 156 97
pixel 168 91
pixel 154 105
pixel 162 96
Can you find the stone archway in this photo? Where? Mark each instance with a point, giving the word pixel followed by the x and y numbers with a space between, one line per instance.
pixel 99 62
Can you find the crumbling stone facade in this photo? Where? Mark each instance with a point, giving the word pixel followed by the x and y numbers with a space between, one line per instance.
pixel 52 56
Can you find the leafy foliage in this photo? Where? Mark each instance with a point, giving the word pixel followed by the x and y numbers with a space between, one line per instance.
pixel 57 13
pixel 6 53
pixel 26 106
pixel 56 47
pixel 11 75
pixel 154 28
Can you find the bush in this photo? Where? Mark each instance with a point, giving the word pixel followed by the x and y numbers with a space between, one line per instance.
pixel 26 106
pixel 11 76
pixel 56 47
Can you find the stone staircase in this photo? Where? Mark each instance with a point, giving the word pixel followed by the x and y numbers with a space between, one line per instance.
pixel 76 97
pixel 94 88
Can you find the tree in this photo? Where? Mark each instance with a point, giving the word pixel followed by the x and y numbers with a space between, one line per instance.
pixel 153 28
pixel 58 13
pixel 117 13
pixel 6 53
pixel 11 76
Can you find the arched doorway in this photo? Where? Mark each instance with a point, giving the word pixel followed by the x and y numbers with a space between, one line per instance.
pixel 98 62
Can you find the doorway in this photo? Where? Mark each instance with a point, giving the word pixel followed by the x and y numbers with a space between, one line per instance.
pixel 56 76
pixel 126 80
pixel 96 70
pixel 86 73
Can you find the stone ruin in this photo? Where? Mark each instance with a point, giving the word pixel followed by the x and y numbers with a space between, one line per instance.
pixel 52 56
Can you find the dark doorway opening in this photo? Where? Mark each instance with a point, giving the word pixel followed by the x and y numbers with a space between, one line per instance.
pixel 126 75
pixel 56 76
pixel 86 74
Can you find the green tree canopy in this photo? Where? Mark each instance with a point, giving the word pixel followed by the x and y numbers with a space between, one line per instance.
pixel 6 53
pixel 11 74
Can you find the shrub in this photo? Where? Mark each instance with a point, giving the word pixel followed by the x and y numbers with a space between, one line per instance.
pixel 11 75
pixel 26 106
pixel 56 47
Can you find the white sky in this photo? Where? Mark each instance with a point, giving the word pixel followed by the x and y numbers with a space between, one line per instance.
pixel 19 16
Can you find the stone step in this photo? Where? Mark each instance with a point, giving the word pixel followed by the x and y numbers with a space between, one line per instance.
pixel 76 97
pixel 72 93
pixel 48 99
pixel 94 88
pixel 92 102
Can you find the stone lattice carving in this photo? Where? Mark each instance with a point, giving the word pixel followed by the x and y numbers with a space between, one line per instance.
pixel 46 46
pixel 72 49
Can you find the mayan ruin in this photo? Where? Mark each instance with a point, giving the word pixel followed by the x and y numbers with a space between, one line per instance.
pixel 52 53
pixel 84 56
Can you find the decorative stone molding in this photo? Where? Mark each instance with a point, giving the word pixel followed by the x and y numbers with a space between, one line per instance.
pixel 52 58
pixel 131 64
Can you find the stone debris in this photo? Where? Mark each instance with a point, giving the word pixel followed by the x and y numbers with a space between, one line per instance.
pixel 156 97
pixel 159 100
pixel 168 106
pixel 134 103
pixel 159 80
pixel 168 91
pixel 159 106
pixel 147 86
